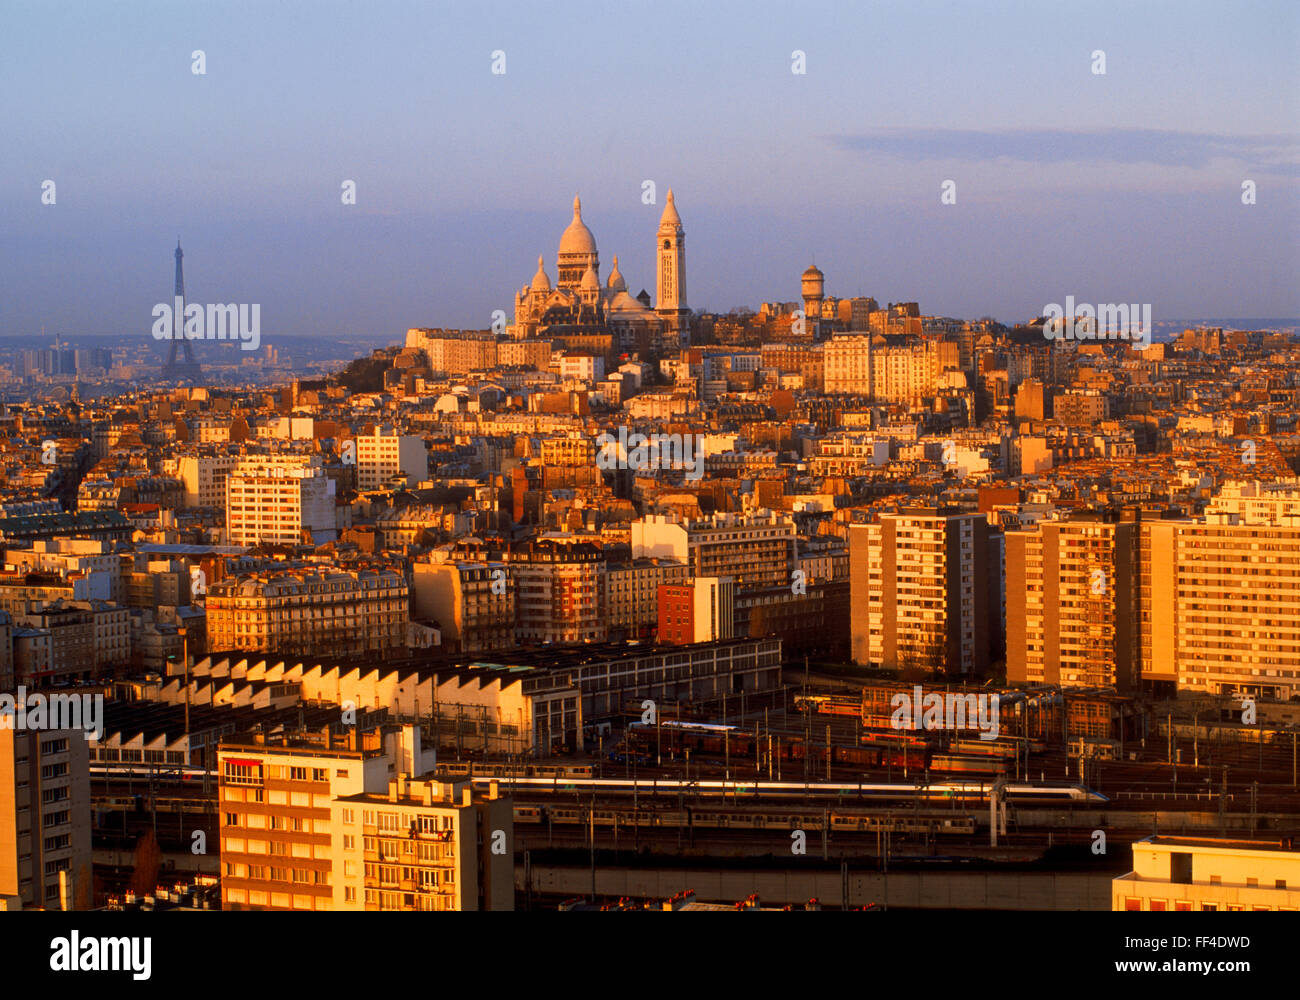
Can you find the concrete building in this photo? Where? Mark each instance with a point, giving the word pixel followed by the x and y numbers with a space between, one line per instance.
pixel 1201 873
pixel 425 845
pixel 1072 604
pixel 45 818
pixel 204 478
pixel 702 610
pixel 758 549
pixel 383 455
pixel 847 365
pixel 632 594
pixel 558 592
pixel 921 584
pixel 277 502
pixel 1220 605
pixel 279 841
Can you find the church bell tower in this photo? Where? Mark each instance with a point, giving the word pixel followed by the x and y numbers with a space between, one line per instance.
pixel 670 248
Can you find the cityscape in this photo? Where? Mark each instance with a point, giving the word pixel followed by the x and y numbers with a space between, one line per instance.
pixel 582 592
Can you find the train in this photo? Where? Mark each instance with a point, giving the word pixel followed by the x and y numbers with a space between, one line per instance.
pixel 953 789
pixel 959 764
pixel 697 818
pixel 830 704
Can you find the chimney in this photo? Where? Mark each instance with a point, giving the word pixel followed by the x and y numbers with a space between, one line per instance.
pixel 467 795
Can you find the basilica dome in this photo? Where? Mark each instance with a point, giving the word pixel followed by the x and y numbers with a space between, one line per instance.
pixel 577 238
pixel 616 282
pixel 541 283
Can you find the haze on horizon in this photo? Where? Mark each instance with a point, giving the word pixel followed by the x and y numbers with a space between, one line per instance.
pixel 1123 187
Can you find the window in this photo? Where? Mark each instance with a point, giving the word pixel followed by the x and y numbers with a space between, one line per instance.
pixel 297 774
pixel 243 773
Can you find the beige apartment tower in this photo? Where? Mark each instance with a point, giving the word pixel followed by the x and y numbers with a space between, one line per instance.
pixel 1072 604
pixel 1220 605
pixel 921 592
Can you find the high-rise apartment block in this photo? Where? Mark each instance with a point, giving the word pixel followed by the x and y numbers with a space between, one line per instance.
pixel 273 500
pixel 922 593
pixel 1072 601
pixel 1220 605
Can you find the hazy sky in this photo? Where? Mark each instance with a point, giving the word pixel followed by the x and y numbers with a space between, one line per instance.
pixel 1123 187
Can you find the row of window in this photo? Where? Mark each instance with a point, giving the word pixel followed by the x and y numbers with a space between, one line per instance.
pixel 1159 905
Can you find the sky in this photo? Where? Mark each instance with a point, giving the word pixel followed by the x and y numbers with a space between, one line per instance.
pixel 1122 186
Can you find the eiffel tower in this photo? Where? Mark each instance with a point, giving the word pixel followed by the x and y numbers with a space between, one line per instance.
pixel 173 368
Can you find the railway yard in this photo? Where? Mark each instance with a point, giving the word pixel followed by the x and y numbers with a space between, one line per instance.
pixel 765 782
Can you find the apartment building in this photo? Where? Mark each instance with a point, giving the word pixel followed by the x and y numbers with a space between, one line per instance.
pixel 90 566
pixel 632 594
pixel 425 845
pixel 756 550
pixel 568 450
pixel 1073 604
pixel 45 817
pixel 277 502
pixel 279 842
pixel 558 592
pixel 1220 605
pixel 1076 408
pixel 385 454
pixel 473 602
pixel 1208 874
pixel 807 360
pixel 847 365
pixel 1258 503
pixel 702 610
pixel 921 592
pixel 455 352
pixel 203 478
pixel 336 612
